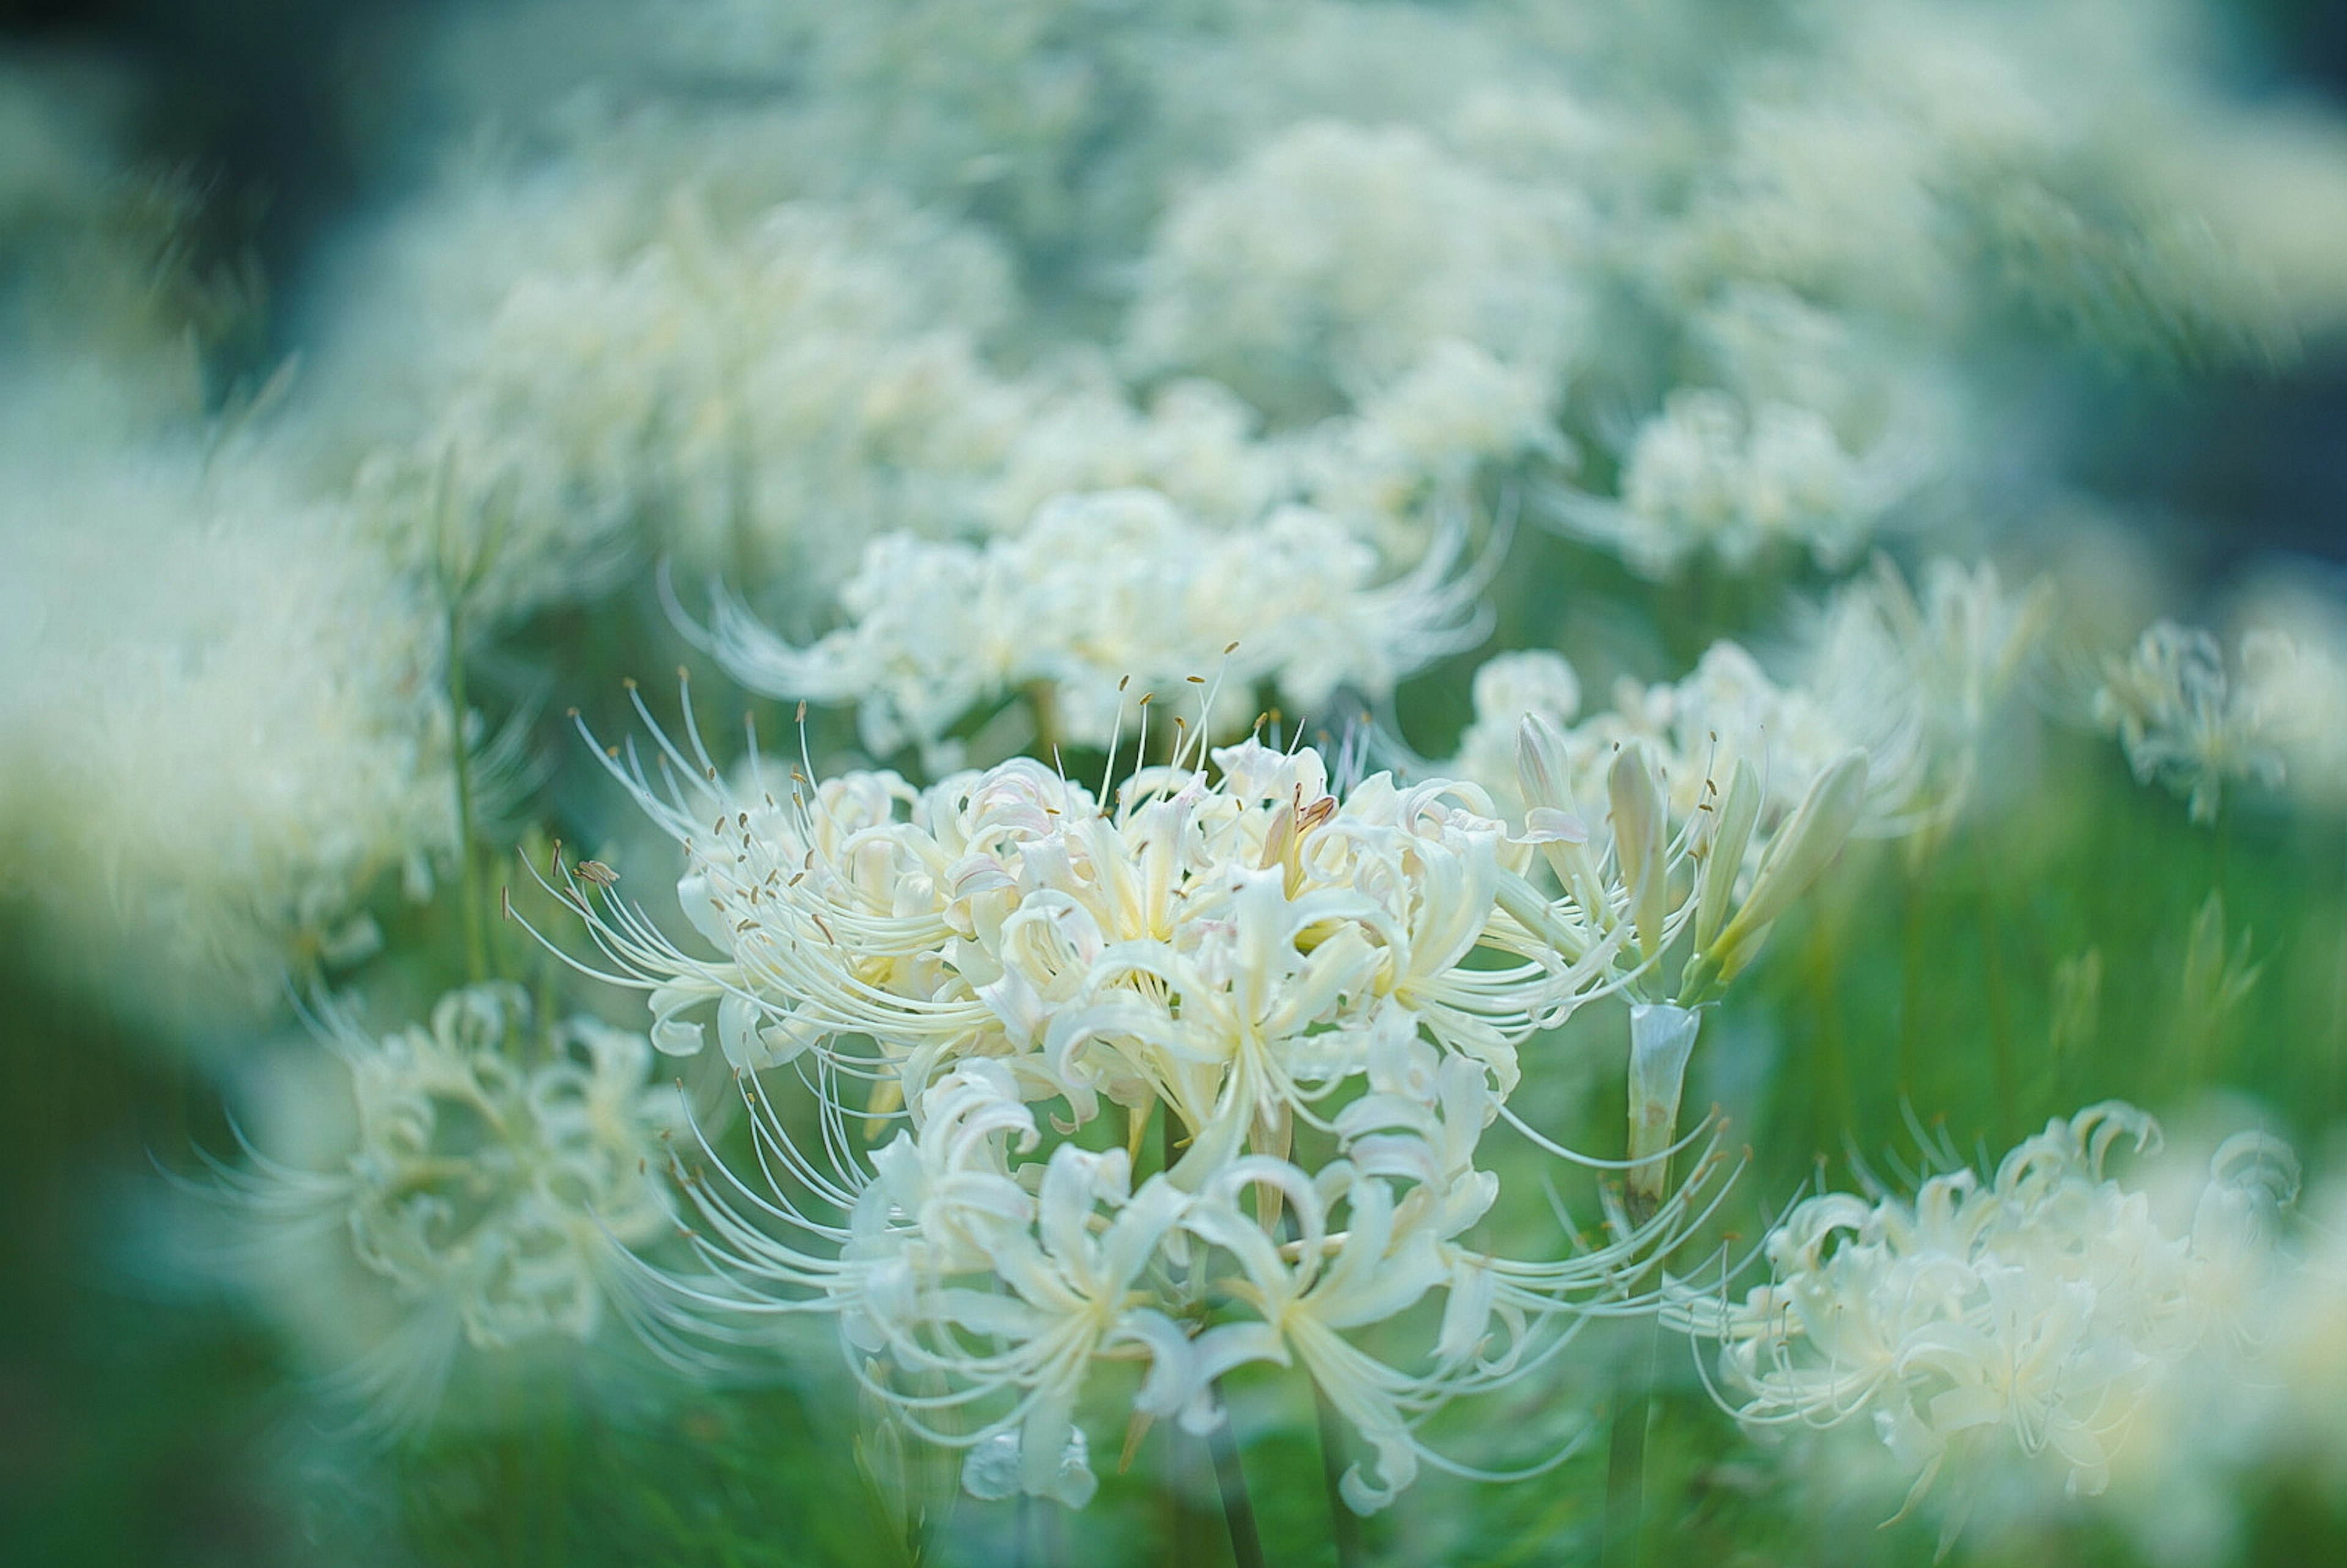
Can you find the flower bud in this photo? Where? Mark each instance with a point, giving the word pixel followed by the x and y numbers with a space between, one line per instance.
pixel 1662 1035
pixel 1796 856
pixel 1640 837
pixel 1738 814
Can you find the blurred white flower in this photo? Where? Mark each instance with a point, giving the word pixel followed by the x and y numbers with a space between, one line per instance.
pixel 2187 723
pixel 1695 730
pixel 1995 1331
pixel 2301 680
pixel 486 1195
pixel 1101 599
pixel 1944 659
pixel 2306 1394
pixel 2079 160
pixel 1508 688
pixel 1335 259
pixel 605 364
pixel 227 722
pixel 1710 473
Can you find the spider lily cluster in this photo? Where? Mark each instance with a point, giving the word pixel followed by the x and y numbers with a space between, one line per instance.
pixel 1653 438
pixel 1321 1003
pixel 2043 1324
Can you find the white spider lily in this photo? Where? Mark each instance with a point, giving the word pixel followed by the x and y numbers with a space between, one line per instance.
pixel 2184 722
pixel 483 1202
pixel 1719 873
pixel 2025 1320
pixel 1241 952
pixel 1101 589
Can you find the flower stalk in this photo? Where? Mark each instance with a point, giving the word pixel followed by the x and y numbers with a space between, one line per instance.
pixel 1230 1479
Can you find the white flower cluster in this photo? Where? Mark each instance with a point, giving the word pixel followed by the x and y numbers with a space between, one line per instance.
pixel 2008 1328
pixel 1908 155
pixel 1914 680
pixel 1395 217
pixel 761 393
pixel 2308 617
pixel 1709 474
pixel 1957 646
pixel 226 721
pixel 1337 258
pixel 1792 433
pixel 1324 1000
pixel 772 390
pixel 1104 592
pixel 1696 730
pixel 487 1195
pixel 2187 723
pixel 1727 797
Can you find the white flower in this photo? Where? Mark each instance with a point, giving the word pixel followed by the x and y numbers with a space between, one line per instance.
pixel 1195 443
pixel 605 359
pixel 1509 688
pixel 1712 473
pixel 479 1200
pixel 2185 723
pixel 2298 683
pixel 1938 664
pixel 1259 964
pixel 1728 797
pixel 1101 599
pixel 2003 1327
pixel 1338 257
pixel 1696 730
pixel 1462 402
pixel 226 724
pixel 2074 159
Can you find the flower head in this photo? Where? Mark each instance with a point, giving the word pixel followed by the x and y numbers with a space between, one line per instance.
pixel 1321 1002
pixel 2183 721
pixel 1104 592
pixel 2019 1323
pixel 483 1200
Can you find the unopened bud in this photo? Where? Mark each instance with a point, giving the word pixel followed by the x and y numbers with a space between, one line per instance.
pixel 1641 836
pixel 1796 857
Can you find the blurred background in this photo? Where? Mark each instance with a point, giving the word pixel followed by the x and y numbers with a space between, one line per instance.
pixel 260 153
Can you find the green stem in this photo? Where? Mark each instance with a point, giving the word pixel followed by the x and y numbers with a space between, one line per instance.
pixel 1344 1524
pixel 2000 1022
pixel 1837 1107
pixel 2220 834
pixel 1238 1507
pixel 513 1505
pixel 1626 1458
pixel 1043 705
pixel 1186 1540
pixel 556 1490
pixel 2334 1065
pixel 468 869
pixel 1910 983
